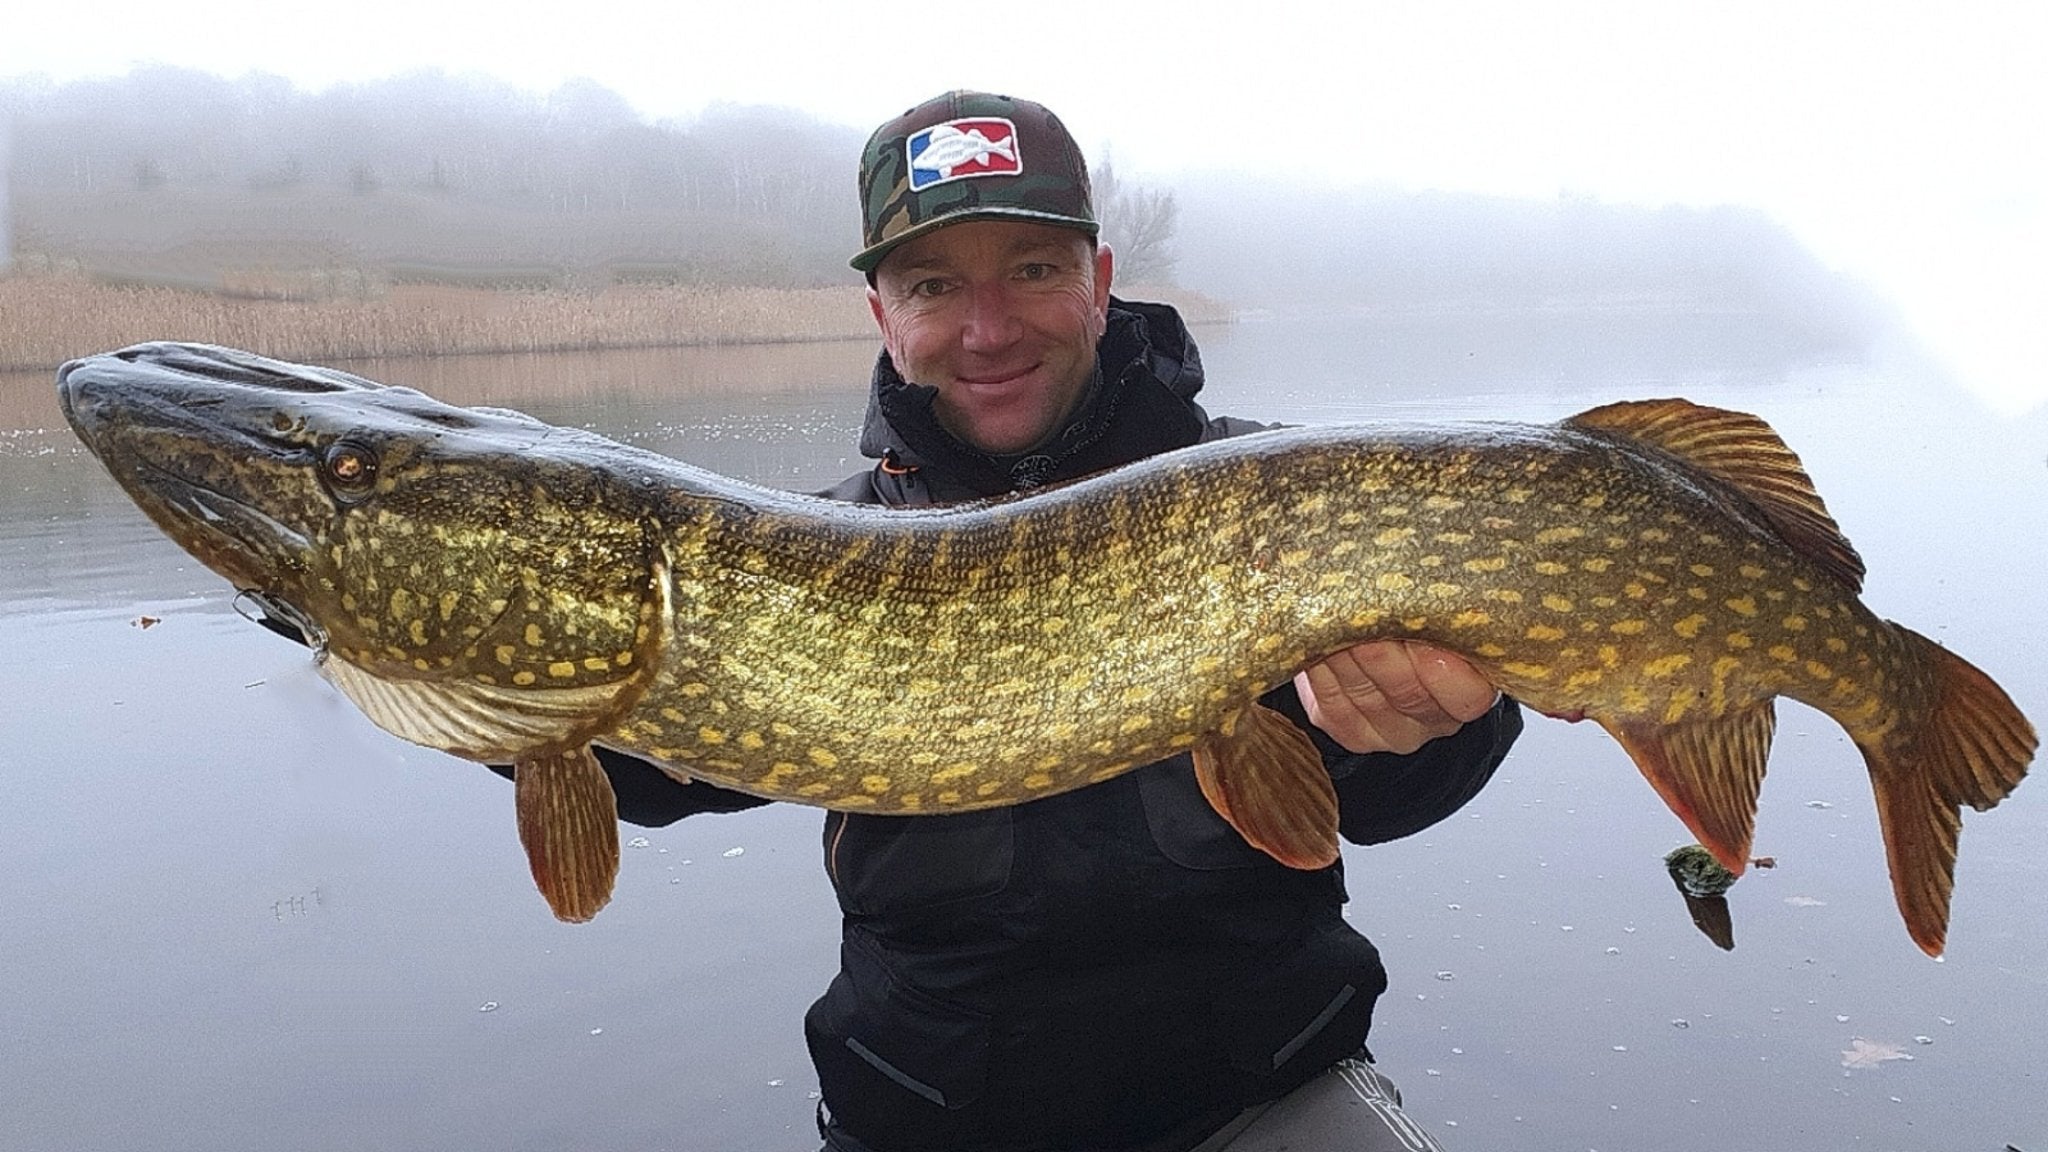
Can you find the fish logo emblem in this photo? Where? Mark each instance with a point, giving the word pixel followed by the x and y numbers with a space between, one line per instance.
pixel 963 149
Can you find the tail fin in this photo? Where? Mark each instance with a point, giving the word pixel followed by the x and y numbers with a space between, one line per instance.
pixel 1972 746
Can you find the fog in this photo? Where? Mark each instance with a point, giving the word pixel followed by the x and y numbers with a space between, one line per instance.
pixel 1895 144
pixel 166 175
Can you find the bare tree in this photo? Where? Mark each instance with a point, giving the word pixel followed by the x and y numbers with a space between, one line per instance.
pixel 1138 223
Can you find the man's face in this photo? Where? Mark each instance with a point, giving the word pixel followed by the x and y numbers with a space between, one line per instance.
pixel 1002 318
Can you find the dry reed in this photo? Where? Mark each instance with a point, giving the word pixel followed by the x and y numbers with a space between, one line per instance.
pixel 48 318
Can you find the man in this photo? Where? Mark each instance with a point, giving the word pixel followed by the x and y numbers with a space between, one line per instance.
pixel 1113 968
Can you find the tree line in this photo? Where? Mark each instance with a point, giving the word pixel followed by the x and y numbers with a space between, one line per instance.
pixel 177 173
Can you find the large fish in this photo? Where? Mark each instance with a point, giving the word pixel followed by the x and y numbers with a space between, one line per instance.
pixel 483 583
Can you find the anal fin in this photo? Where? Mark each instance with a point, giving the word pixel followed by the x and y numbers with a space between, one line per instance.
pixel 1265 776
pixel 569 826
pixel 1709 773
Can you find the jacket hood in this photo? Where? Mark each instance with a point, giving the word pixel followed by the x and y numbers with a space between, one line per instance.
pixel 1140 401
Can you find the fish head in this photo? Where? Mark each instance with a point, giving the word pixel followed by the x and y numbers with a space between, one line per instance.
pixel 414 539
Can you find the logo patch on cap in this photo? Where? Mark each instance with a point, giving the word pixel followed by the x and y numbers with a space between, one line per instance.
pixel 963 149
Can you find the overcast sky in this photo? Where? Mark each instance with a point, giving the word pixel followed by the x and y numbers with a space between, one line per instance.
pixel 1903 143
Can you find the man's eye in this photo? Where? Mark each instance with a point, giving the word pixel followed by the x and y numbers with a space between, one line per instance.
pixel 929 288
pixel 1035 272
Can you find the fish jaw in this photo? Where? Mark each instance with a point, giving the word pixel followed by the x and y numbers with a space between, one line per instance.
pixel 478 557
pixel 150 443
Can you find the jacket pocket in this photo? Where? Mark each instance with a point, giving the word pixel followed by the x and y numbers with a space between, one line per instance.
pixel 1306 1011
pixel 895 1063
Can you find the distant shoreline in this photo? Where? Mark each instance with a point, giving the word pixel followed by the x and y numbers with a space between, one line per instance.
pixel 48 318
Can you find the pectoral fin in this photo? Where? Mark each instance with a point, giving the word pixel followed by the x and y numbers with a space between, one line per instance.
pixel 1265 776
pixel 569 825
pixel 1709 772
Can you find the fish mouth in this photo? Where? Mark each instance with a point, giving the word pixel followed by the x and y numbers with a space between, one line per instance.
pixel 196 471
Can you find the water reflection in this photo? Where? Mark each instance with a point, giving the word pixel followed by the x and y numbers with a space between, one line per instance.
pixel 275 928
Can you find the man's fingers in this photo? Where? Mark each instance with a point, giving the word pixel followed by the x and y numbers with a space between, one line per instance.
pixel 1393 696
pixel 1458 688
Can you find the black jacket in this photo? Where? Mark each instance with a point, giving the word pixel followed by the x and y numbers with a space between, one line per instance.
pixel 1110 968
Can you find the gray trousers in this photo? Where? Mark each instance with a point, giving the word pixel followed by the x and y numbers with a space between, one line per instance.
pixel 1353 1107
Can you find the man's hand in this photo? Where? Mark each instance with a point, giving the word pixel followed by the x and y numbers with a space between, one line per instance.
pixel 1393 695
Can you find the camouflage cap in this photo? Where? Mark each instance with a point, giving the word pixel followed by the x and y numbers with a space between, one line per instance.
pixel 969 156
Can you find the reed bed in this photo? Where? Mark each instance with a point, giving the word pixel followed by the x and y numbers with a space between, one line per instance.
pixel 48 318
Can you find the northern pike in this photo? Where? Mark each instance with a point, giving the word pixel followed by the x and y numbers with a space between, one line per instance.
pixel 483 583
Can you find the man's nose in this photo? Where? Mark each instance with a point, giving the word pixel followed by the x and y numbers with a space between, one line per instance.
pixel 991 318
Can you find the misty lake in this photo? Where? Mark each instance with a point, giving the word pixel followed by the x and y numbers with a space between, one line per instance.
pixel 237 917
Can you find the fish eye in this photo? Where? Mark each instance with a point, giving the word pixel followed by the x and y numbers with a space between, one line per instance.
pixel 350 468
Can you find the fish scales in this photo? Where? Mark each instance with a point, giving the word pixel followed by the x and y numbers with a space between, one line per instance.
pixel 480 582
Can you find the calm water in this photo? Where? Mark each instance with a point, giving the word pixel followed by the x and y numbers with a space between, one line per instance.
pixel 238 917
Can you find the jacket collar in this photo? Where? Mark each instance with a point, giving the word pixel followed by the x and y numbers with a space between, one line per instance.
pixel 1139 402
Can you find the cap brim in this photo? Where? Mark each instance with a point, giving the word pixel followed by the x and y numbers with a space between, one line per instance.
pixel 870 257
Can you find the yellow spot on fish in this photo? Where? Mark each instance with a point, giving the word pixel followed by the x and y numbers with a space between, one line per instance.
pixel 561 669
pixel 1837 645
pixel 1486 564
pixel 418 631
pixel 1802 585
pixel 1743 605
pixel 1038 781
pixel 709 735
pixel 1551 568
pixel 596 664
pixel 673 716
pixel 1818 670
pixel 1443 503
pixel 1559 534
pixel 1527 671
pixel 1490 651
pixel 1690 626
pixel 1667 665
pixel 1635 590
pixel 1544 632
pixel 1557 603
pixel 1653 535
pixel 823 758
pixel 1739 640
pixel 1676 707
pixel 1597 564
pixel 1610 656
pixel 1470 618
pixel 1751 572
pixel 817 789
pixel 523 678
pixel 1783 652
pixel 1135 724
pixel 1702 570
pixel 1393 536
pixel 421 664
pixel 1393 582
pixel 1593 500
pixel 1504 595
pixel 533 635
pixel 1795 623
pixel 1443 591
pixel 874 785
pixel 1294 558
pixel 1585 679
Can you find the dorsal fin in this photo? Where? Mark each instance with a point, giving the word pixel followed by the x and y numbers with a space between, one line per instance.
pixel 1743 452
